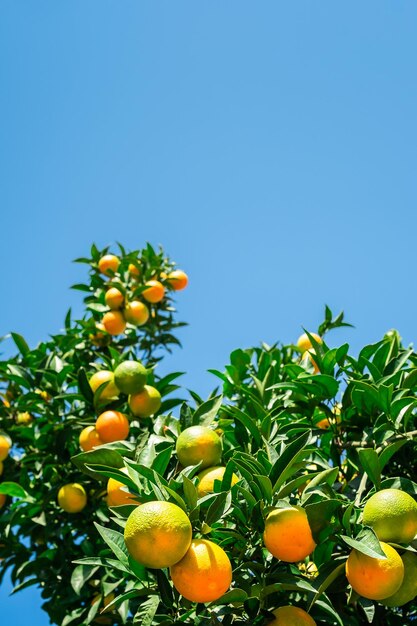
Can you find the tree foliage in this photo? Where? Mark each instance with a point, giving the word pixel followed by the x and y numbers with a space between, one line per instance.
pixel 323 430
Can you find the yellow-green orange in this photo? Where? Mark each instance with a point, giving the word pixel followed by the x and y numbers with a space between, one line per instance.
pixel 288 534
pixel 204 573
pixel 130 377
pixel 110 391
pixel 372 578
pixel 304 342
pixel 207 477
pixel 146 402
pixel 72 498
pixel 5 445
pixel 114 298
pixel 291 616
pixel 136 313
pixel 116 494
pixel 392 514
pixel 199 444
pixel 158 534
pixel 408 589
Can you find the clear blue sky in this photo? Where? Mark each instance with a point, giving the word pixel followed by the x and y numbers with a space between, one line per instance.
pixel 269 147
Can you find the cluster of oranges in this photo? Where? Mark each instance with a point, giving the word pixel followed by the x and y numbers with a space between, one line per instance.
pixel 5 445
pixel 123 310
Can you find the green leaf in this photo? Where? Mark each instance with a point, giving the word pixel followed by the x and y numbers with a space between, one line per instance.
pixel 388 452
pixel 338 571
pixel 292 453
pixel 234 595
pixel 115 541
pixel 13 489
pixel 146 612
pixel 84 386
pixel 218 508
pixel 370 463
pixel 100 456
pixel 206 412
pixel 21 344
pixel 367 543
pixel 80 576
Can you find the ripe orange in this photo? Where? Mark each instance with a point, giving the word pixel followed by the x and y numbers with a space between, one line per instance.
pixel 114 322
pixel 157 534
pixel 3 499
pixel 177 280
pixel 375 579
pixel 108 264
pixel 207 477
pixel 114 298
pixel 133 270
pixel 291 616
pixel 89 438
pixel 146 402
pixel 136 313
pixel 5 445
pixel 155 291
pixel 288 535
pixel 204 574
pixel 325 423
pixel 304 342
pixel 392 514
pixel 110 391
pixel 408 589
pixel 112 426
pixel 72 498
pixel 117 493
pixel 199 443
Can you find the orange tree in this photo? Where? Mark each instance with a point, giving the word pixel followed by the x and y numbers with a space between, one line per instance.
pixel 286 497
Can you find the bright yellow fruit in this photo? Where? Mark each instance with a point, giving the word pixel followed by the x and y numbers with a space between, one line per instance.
pixel 204 574
pixel 288 534
pixel 207 477
pixel 304 342
pixel 145 403
pixel 108 264
pixel 114 298
pixel 110 391
pixel 89 438
pixel 392 514
pixel 375 579
pixel 199 443
pixel 5 445
pixel 158 534
pixel 72 498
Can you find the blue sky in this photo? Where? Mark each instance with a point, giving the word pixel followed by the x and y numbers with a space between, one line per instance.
pixel 269 147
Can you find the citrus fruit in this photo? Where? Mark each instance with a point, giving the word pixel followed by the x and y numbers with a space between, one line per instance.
pixel 372 578
pixel 136 313
pixel 130 376
pixel 155 291
pixel 72 498
pixel 116 494
pixel 5 445
pixel 177 280
pixel 291 616
pixel 288 535
pixel 304 342
pixel 207 477
pixel 199 444
pixel 110 391
pixel 3 499
pixel 408 589
pixel 326 422
pixel 89 438
pixel 108 264
pixel 146 402
pixel 112 426
pixel 133 270
pixel 1 468
pixel 114 322
pixel 157 534
pixel 392 514
pixel 100 338
pixel 24 418
pixel 114 298
pixel 308 356
pixel 204 573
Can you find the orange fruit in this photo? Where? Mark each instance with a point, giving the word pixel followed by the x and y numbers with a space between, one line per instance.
pixel 207 477
pixel 133 270
pixel 112 426
pixel 392 514
pixel 291 616
pixel 24 418
pixel 157 534
pixel 199 444
pixel 408 589
pixel 155 291
pixel 114 322
pixel 116 494
pixel 108 264
pixel 89 438
pixel 5 445
pixel 288 534
pixel 372 578
pixel 72 498
pixel 100 338
pixel 145 403
pixel 308 356
pixel 3 499
pixel 114 298
pixel 325 423
pixel 204 574
pixel 177 280
pixel 304 342
pixel 136 313
pixel 130 377
pixel 110 391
